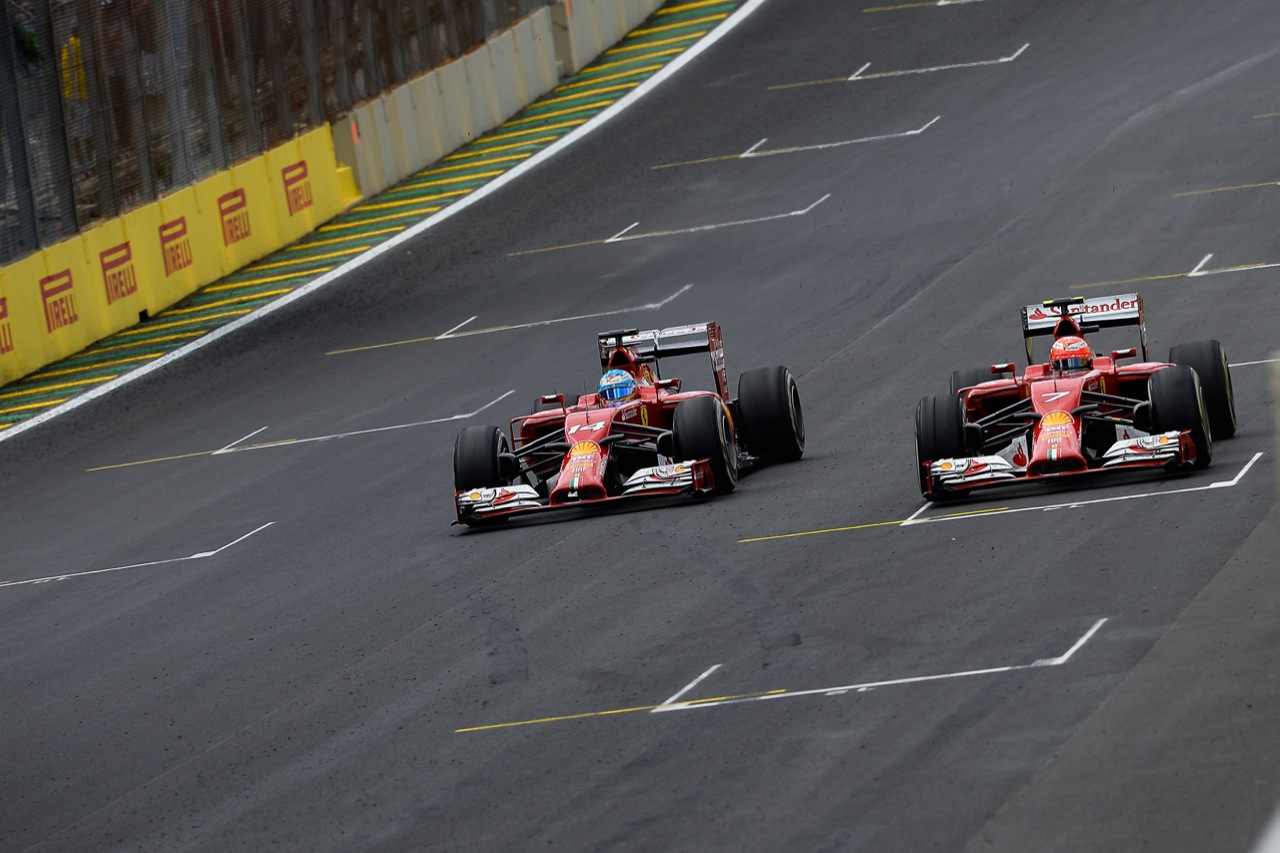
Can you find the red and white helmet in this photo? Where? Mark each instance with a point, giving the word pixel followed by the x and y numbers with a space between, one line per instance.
pixel 1069 354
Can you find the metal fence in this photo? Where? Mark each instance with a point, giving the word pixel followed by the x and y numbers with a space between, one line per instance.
pixel 109 104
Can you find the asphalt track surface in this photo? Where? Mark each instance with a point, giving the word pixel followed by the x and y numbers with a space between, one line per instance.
pixel 295 650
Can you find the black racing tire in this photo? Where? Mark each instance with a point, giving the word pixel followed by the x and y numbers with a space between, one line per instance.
pixel 1209 361
pixel 1177 403
pixel 475 458
pixel 770 420
pixel 969 376
pixel 700 430
pixel 939 435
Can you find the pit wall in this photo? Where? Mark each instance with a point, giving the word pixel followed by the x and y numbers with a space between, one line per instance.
pixel 63 298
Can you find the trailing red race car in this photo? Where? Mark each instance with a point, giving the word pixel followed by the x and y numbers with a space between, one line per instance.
pixel 1078 413
pixel 638 436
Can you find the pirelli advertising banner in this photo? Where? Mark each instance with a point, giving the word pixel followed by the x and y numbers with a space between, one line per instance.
pixel 64 298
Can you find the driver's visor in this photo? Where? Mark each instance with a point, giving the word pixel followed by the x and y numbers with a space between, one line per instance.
pixel 618 392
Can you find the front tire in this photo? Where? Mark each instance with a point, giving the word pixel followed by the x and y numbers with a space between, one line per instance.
pixel 770 420
pixel 700 430
pixel 476 462
pixel 1209 361
pixel 939 435
pixel 968 377
pixel 1177 404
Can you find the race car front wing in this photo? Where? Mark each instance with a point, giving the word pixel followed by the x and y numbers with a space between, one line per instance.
pixel 680 478
pixel 1168 449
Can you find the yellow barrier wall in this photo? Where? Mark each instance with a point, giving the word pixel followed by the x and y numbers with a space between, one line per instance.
pixel 63 298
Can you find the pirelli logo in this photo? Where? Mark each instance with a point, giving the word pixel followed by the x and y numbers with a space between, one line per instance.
pixel 175 246
pixel 118 275
pixel 59 301
pixel 234 210
pixel 297 187
pixel 6 331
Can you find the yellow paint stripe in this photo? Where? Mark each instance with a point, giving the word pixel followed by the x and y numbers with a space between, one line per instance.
pixel 897 523
pixel 609 713
pixel 44 389
pixel 464 166
pixel 697 162
pixel 555 248
pixel 1228 189
pixel 177 324
pixel 498 137
pixel 160 340
pixel 404 214
pixel 303 261
pixel 686 7
pixel 900 6
pixel 647 45
pixel 591 84
pixel 468 153
pixel 1121 281
pixel 671 51
pixel 239 284
pixel 453 179
pixel 71 371
pixel 150 461
pixel 361 236
pixel 824 530
pixel 666 28
pixel 808 83
pixel 570 110
pixel 47 404
pixel 405 202
pixel 235 300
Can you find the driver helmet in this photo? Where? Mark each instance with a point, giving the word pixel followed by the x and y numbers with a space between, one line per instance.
pixel 1070 353
pixel 616 388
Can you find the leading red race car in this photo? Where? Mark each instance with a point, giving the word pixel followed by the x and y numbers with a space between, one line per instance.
pixel 1078 414
pixel 638 436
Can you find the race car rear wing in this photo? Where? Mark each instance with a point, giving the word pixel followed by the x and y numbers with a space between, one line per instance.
pixel 1085 315
pixel 653 344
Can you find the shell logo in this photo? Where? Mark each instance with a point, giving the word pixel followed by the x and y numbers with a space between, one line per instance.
pixel 1056 419
pixel 584 448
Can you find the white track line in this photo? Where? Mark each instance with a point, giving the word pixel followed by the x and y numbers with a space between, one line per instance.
pixel 694 51
pixel 288 442
pixel 697 229
pixel 858 75
pixel 652 306
pixel 1254 363
pixel 1200 266
pixel 695 705
pixel 752 152
pixel 454 329
pixel 229 448
pixel 197 556
pixel 692 684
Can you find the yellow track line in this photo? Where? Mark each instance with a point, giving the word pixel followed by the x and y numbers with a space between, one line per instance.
pixel 43 389
pixel 404 214
pixel 114 362
pixel 46 404
pixel 405 202
pixel 681 25
pixel 590 84
pixel 250 282
pixel 361 236
pixel 234 300
pixel 159 340
pixel 529 143
pixel 570 110
pixel 150 461
pixel 298 262
pixel 625 49
pixel 674 10
pixel 609 713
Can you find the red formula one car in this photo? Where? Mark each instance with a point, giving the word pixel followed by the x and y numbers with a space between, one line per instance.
pixel 1078 413
pixel 638 436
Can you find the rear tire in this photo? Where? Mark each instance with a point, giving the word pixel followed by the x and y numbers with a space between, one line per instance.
pixel 1209 361
pixel 770 420
pixel 475 458
pixel 969 376
pixel 939 435
pixel 1177 404
pixel 700 430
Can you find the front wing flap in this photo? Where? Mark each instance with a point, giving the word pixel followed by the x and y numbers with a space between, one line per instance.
pixel 1172 449
pixel 477 506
